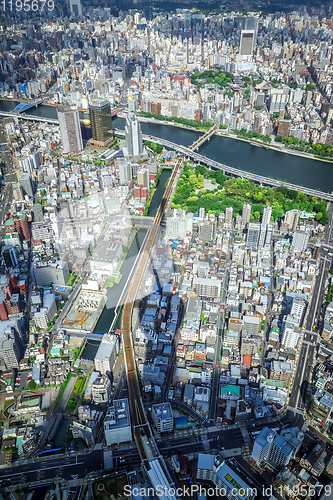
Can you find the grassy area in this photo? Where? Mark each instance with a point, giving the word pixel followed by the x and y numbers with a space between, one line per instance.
pixel 8 403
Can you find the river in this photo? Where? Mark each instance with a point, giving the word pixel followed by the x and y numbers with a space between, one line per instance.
pixel 239 154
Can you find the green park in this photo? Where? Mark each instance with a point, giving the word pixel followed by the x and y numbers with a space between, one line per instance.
pixel 224 192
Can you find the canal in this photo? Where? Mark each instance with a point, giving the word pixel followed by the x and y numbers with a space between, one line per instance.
pixel 268 162
pixel 156 200
pixel 113 293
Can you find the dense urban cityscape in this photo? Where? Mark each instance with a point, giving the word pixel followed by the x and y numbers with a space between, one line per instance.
pixel 166 299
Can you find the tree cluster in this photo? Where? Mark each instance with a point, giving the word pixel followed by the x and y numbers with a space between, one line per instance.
pixel 252 135
pixel 234 192
pixel 221 78
pixel 183 121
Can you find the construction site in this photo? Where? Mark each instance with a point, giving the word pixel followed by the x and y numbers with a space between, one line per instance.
pixel 85 311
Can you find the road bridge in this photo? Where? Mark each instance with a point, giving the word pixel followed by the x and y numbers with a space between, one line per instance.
pixel 24 106
pixel 206 137
pixel 141 429
pixel 267 181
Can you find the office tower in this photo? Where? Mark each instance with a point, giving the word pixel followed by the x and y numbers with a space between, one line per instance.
pixel 47 272
pixel 142 177
pixel 125 172
pixel 253 235
pixel 228 214
pixel 133 136
pixel 247 42
pixel 26 184
pixel 201 213
pixel 291 219
pixel 76 8
pixel 266 216
pixel 300 241
pixel 246 213
pixel 70 130
pixel 101 123
pixel 117 423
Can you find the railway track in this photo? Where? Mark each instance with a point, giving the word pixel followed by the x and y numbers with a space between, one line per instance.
pixel 140 425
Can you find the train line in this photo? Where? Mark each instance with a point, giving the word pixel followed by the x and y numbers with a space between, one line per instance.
pixel 140 425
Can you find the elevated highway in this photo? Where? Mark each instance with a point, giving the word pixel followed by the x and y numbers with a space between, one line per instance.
pixel 32 118
pixel 267 181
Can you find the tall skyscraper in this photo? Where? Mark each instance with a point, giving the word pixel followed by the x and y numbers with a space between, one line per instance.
pixel 76 8
pixel 101 123
pixel 70 130
pixel 266 216
pixel 247 42
pixel 246 213
pixel 133 136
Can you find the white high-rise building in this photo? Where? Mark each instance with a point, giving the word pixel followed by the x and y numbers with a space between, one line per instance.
pixel 273 448
pixel 70 130
pixel 266 216
pixel 133 136
pixel 117 423
pixel 246 213
pixel 125 172
pixel 300 241
pixel 228 214
pixel 179 225
pixel 106 354
pixel 291 218
pixel 76 8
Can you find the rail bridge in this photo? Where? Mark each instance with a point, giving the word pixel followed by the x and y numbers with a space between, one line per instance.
pixel 267 181
pixel 206 137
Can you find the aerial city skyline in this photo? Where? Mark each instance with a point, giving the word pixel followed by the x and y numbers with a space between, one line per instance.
pixel 166 313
